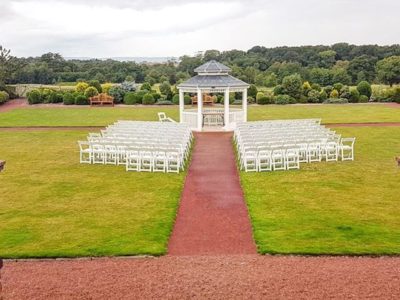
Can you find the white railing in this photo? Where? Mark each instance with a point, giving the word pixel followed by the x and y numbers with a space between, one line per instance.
pixel 190 118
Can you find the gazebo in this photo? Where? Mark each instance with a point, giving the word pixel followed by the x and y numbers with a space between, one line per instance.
pixel 213 78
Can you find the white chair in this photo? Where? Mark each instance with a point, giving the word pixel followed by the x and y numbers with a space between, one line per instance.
pixel 331 151
pixel 110 155
pixel 98 154
pixel 264 161
pixel 278 160
pixel 160 162
pixel 162 117
pixel 250 161
pixel 347 148
pixel 132 160
pixel 303 155
pixel 292 159
pixel 313 152
pixel 85 152
pixel 121 154
pixel 146 161
pixel 173 162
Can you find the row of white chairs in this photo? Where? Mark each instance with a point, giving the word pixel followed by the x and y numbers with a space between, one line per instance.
pixel 283 145
pixel 140 146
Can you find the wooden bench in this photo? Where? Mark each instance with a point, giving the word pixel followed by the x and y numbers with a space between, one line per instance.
pixel 2 165
pixel 207 99
pixel 101 99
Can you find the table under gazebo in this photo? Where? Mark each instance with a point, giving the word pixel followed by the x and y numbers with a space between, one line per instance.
pixel 212 78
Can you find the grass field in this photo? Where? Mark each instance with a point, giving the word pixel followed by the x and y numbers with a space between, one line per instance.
pixel 52 206
pixel 86 116
pixel 331 208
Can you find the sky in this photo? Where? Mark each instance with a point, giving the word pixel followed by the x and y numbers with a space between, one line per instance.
pixel 149 28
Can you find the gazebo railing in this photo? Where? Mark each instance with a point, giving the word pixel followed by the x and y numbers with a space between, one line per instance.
pixel 190 118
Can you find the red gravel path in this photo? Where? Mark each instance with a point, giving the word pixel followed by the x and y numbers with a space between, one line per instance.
pixel 212 217
pixel 12 104
pixel 206 277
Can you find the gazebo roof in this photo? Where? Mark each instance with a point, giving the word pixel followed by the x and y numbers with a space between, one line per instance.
pixel 212 66
pixel 213 75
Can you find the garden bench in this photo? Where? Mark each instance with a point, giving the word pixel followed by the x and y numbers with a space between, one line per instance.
pixel 207 99
pixel 2 165
pixel 101 99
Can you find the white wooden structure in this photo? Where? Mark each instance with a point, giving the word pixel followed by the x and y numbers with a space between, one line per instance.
pixel 212 77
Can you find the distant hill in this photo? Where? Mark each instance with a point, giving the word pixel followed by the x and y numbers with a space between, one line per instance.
pixel 135 59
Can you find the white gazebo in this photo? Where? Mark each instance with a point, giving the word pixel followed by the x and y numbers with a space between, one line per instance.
pixel 212 77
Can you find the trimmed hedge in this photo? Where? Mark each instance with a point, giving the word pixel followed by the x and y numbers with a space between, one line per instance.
pixel 34 97
pixel 81 100
pixel 284 99
pixel 336 101
pixel 4 97
pixel 68 99
pixel 148 99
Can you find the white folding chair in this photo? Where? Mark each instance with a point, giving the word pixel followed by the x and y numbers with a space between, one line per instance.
pixel 331 151
pixel 132 160
pixel 250 161
pixel 110 154
pixel 160 162
pixel 292 159
pixel 278 160
pixel 347 148
pixel 98 154
pixel 173 162
pixel 85 152
pixel 313 152
pixel 146 161
pixel 264 161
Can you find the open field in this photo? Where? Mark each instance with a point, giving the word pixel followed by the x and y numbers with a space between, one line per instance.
pixel 51 206
pixel 86 116
pixel 331 208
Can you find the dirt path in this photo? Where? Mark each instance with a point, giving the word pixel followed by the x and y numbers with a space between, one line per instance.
pixel 13 104
pixel 205 277
pixel 212 217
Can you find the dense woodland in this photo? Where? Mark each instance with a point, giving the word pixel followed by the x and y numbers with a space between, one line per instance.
pixel 318 66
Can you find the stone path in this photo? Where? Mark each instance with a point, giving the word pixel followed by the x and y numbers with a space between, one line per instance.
pixel 212 217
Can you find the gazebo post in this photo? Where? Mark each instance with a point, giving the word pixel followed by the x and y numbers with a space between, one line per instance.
pixel 244 104
pixel 181 105
pixel 226 108
pixel 199 110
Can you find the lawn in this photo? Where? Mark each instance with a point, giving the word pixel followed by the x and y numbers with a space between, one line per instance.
pixel 51 206
pixel 331 208
pixel 86 116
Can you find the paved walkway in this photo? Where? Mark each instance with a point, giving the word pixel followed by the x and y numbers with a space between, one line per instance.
pixel 212 217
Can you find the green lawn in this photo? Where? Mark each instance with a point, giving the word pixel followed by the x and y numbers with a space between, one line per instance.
pixel 331 208
pixel 87 116
pixel 51 206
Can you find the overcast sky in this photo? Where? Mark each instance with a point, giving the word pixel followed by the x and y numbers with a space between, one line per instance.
pixel 111 28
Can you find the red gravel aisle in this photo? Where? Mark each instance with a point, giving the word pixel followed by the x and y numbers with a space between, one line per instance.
pixel 212 217
pixel 205 277
pixel 12 104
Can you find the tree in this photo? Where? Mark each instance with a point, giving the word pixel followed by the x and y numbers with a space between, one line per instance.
pixel 165 89
pixel 293 85
pixel 321 76
pixel 327 58
pixel 388 70
pixel 252 91
pixel 365 64
pixel 341 76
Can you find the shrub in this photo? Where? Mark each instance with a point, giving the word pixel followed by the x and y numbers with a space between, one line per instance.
pixel 363 98
pixel 96 84
pixel 164 102
pixel 252 91
pixel 336 101
pixel 34 97
pixel 293 85
pixel 148 99
pixel 128 86
pixel 338 86
pixel 316 86
pixel 156 96
pixel 145 86
pixel 46 95
pixel 106 87
pixel 251 100
pixel 130 98
pixel 55 97
pixel 165 89
pixel 279 90
pixel 81 100
pixel 259 95
pixel 81 87
pixel 364 88
pixel 68 99
pixel 334 94
pixel 266 98
pixel 354 95
pixel 117 93
pixel 4 97
pixel 175 99
pixel 323 95
pixel 284 99
pixel 396 95
pixel 313 96
pixel 344 92
pixel 187 99
pixel 90 92
pixel 306 88
pixel 328 89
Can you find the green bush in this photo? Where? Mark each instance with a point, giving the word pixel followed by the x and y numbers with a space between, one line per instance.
pixel 259 95
pixel 354 95
pixel 117 93
pixel 279 90
pixel 128 86
pixel 323 95
pixel 266 98
pixel 338 86
pixel 328 89
pixel 4 97
pixel 81 100
pixel 34 97
pixel 81 87
pixel 293 85
pixel 96 84
pixel 68 99
pixel 396 95
pixel 175 99
pixel 364 88
pixel 46 95
pixel 251 100
pixel 148 99
pixel 187 99
pixel 145 86
pixel 363 99
pixel 336 101
pixel 334 94
pixel 313 96
pixel 130 98
pixel 252 91
pixel 55 97
pixel 90 92
pixel 284 99
pixel 164 102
